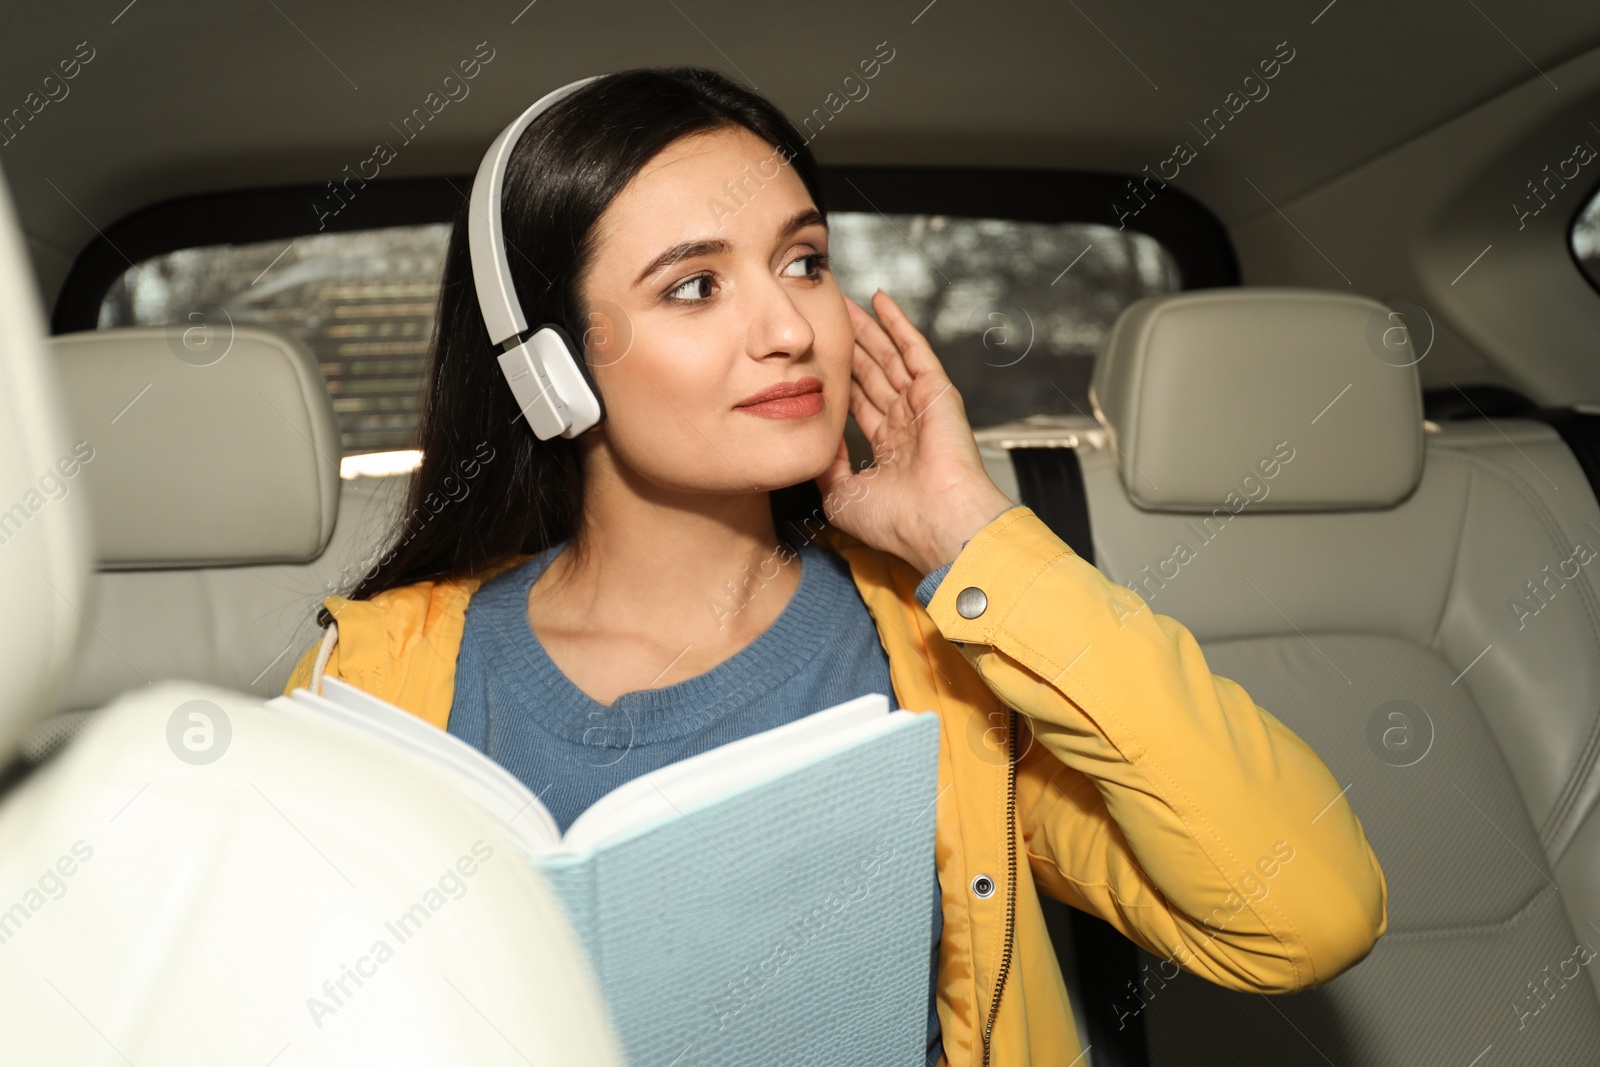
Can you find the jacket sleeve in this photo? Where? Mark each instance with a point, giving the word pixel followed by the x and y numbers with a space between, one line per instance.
pixel 1152 792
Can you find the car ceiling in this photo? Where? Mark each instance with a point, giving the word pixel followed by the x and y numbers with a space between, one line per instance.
pixel 184 97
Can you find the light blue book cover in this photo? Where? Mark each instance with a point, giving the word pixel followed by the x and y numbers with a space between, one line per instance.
pixel 768 901
pixel 787 923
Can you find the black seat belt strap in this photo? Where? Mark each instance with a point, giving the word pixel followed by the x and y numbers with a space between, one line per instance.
pixel 1050 482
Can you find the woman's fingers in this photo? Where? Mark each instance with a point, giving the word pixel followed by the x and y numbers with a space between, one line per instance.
pixel 865 370
pixel 879 345
pixel 914 349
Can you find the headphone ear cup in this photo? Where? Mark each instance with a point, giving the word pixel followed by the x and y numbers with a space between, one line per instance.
pixel 575 353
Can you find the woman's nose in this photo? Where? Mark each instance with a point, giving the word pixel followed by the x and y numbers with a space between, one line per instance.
pixel 777 326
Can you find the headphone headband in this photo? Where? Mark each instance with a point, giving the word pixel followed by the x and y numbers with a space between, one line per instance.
pixel 546 372
pixel 491 269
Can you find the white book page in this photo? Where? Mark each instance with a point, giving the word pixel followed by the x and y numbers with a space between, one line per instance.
pixel 727 769
pixel 384 714
pixel 652 797
pixel 482 780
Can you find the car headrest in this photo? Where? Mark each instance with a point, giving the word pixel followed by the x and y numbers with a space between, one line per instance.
pixel 1206 396
pixel 200 453
pixel 44 546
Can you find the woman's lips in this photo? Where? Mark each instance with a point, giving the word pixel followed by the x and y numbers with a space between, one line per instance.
pixel 785 400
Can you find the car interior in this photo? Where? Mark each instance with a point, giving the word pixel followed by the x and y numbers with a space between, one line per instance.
pixel 1161 250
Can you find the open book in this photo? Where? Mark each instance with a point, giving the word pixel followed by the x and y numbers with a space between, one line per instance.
pixel 766 901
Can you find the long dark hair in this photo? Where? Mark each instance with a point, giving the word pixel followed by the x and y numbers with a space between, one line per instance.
pixel 488 490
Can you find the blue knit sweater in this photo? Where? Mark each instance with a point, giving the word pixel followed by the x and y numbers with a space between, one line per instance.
pixel 513 703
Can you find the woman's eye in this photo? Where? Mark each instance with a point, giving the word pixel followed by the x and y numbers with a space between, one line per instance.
pixel 810 266
pixel 698 288
pixel 695 289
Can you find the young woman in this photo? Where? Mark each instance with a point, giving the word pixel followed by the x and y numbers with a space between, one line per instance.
pixel 586 610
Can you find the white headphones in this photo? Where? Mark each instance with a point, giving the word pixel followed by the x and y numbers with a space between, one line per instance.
pixel 546 372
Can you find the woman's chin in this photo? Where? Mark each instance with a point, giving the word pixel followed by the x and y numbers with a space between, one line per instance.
pixel 796 466
pixel 792 452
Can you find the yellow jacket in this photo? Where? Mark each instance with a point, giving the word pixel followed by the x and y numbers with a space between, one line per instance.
pixel 1147 790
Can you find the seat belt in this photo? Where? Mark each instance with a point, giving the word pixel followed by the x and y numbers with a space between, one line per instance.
pixel 1050 482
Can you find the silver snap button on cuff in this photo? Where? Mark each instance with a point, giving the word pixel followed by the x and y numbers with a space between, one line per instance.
pixel 983 887
pixel 971 602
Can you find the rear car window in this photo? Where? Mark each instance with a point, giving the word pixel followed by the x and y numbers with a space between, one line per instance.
pixel 363 302
pixel 1016 310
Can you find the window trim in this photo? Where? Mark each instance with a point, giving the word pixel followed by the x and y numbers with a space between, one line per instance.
pixel 1191 234
pixel 1588 200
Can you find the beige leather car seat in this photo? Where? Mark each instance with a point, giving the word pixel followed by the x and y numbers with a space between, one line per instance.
pixel 220 519
pixel 1422 608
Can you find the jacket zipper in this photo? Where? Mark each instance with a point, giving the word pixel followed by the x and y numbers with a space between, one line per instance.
pixel 1011 878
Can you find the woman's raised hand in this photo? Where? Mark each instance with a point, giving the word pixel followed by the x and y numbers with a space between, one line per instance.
pixel 927 492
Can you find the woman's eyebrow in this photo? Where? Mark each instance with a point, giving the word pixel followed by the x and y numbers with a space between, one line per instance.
pixel 714 247
pixel 683 250
pixel 800 220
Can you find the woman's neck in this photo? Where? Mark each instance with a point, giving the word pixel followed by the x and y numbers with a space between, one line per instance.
pixel 659 586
